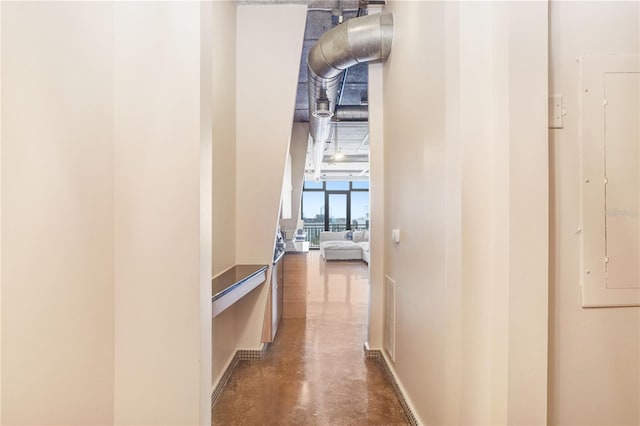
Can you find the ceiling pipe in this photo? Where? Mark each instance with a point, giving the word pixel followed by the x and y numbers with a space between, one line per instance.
pixel 362 8
pixel 352 113
pixel 350 158
pixel 365 39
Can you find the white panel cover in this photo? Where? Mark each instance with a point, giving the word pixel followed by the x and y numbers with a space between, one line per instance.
pixel 610 176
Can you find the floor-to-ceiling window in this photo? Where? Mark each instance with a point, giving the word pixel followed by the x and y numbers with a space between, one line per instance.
pixel 334 206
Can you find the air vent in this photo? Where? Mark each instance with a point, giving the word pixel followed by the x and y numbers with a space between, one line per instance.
pixel 390 317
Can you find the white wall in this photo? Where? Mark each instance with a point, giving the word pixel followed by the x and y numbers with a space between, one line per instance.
pixel 462 163
pixel 269 42
pixel 376 206
pixel 57 213
pixel 594 371
pixel 414 199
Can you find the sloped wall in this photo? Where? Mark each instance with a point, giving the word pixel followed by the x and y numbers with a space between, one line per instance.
pixel 269 42
pixel 298 151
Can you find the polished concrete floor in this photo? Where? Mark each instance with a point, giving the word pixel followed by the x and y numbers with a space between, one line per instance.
pixel 315 372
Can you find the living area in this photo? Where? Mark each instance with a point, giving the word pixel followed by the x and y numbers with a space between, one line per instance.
pixel 335 216
pixel 345 245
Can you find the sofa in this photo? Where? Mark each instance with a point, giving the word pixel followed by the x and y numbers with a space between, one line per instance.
pixel 345 245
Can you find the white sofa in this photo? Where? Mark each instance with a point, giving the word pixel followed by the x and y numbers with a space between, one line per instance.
pixel 345 245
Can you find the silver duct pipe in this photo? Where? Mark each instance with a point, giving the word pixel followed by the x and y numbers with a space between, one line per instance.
pixel 358 40
pixel 353 158
pixel 352 113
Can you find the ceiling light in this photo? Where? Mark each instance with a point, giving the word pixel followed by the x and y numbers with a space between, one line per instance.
pixel 339 155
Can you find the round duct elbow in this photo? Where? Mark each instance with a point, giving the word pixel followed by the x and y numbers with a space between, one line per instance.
pixel 365 39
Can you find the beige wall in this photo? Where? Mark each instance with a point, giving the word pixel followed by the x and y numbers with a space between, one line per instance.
pixel 57 213
pixel 465 181
pixel 207 100
pixel 594 372
pixel 157 214
pixel 0 215
pixel 104 191
pixel 224 136
pixel 251 142
pixel 269 42
pixel 224 175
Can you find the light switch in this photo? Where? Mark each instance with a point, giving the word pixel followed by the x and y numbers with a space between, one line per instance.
pixel 395 235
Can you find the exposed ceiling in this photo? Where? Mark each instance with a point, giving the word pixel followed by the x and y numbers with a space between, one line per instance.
pixel 351 139
pixel 347 151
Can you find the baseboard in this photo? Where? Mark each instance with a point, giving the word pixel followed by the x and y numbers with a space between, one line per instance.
pixel 240 355
pixel 217 389
pixel 255 354
pixel 371 353
pixel 245 354
pixel 407 406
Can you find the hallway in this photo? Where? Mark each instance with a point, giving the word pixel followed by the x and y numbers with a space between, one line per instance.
pixel 315 372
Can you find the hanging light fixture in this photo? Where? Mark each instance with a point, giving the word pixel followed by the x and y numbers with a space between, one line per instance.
pixel 323 110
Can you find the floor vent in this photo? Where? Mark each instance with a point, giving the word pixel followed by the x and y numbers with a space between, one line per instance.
pixel 390 317
pixel 248 354
pixel 371 353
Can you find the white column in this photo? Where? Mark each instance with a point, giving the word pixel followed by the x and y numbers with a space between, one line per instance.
pixel 376 207
pixel 529 212
pixel 206 207
pixel 503 122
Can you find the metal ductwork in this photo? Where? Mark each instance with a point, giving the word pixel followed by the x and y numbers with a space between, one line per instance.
pixel 352 113
pixel 358 40
pixel 352 158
